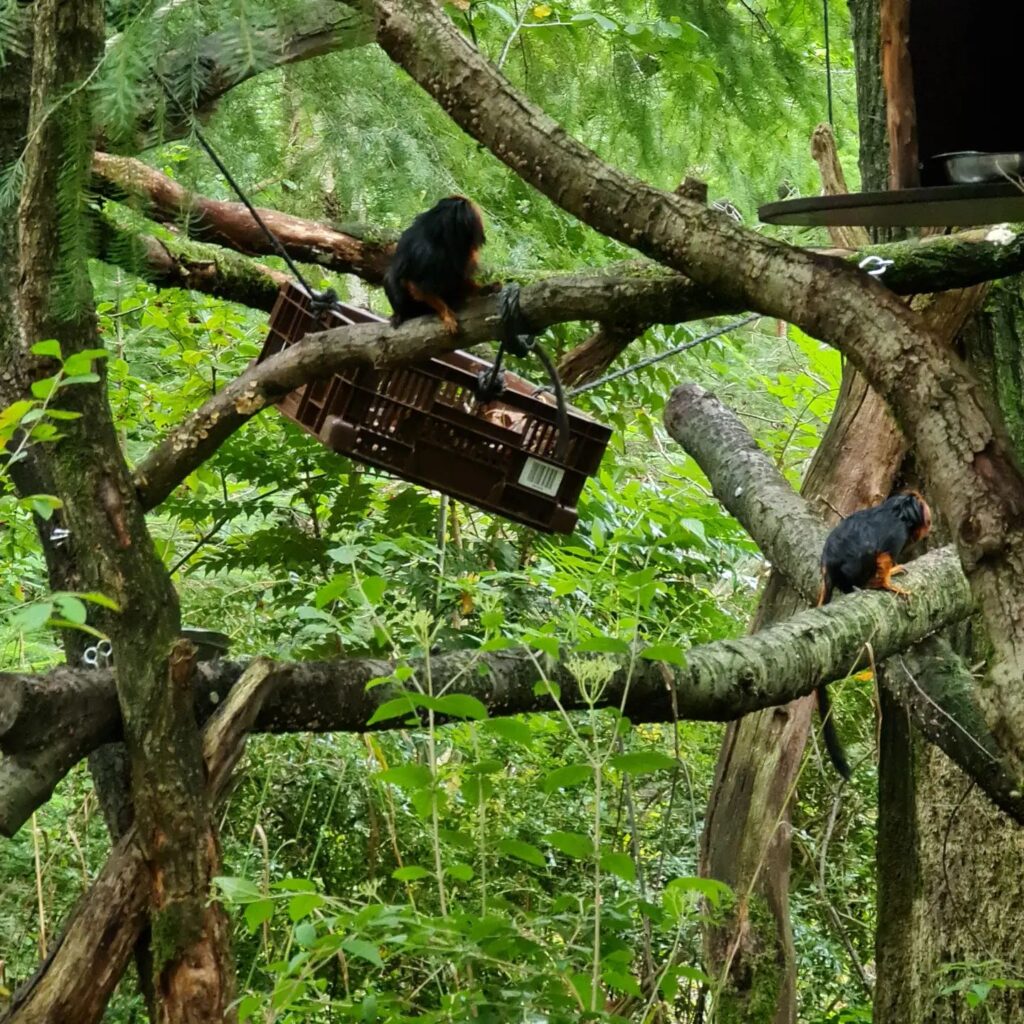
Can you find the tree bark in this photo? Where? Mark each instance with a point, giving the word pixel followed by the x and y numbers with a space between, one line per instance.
pixel 232 225
pixel 719 682
pixel 76 980
pixel 109 544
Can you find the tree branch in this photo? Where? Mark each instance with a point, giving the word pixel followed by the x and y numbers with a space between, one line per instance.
pixel 81 969
pixel 173 263
pixel 943 702
pixel 719 682
pixel 322 28
pixel 230 224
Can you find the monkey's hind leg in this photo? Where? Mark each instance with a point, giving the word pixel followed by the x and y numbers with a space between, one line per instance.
pixel 437 304
pixel 885 568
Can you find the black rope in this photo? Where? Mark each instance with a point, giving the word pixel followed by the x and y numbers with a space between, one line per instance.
pixel 828 66
pixel 651 360
pixel 520 339
pixel 320 301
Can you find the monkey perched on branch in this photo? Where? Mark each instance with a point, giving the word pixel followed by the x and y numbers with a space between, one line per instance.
pixel 433 266
pixel 860 553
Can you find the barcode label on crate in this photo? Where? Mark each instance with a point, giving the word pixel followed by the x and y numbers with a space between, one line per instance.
pixel 541 476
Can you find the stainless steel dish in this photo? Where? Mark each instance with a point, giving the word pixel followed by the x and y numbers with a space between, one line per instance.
pixel 971 167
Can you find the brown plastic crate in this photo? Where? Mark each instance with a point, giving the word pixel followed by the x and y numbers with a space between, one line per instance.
pixel 424 424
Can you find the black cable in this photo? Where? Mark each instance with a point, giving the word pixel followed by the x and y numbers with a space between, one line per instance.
pixel 321 300
pixel 660 356
pixel 562 447
pixel 828 66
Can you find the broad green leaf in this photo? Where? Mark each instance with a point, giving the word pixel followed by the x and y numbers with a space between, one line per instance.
pixel 364 950
pixel 511 729
pixel 237 890
pixel 305 935
pixel 410 873
pixel 543 642
pixel 460 872
pixel 563 778
pixel 50 347
pixel 258 912
pixel 294 885
pixel 522 851
pixel 620 864
pixel 395 708
pixel 461 705
pixel 642 761
pixel 302 904
pixel 407 776
pixel 669 653
pixel 572 844
pixel 32 616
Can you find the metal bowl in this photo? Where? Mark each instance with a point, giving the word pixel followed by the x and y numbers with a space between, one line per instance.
pixel 971 167
pixel 210 644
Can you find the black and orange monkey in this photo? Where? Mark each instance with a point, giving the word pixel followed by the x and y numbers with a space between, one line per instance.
pixel 434 263
pixel 860 553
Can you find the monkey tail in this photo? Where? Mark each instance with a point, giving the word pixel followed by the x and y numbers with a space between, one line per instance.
pixel 828 730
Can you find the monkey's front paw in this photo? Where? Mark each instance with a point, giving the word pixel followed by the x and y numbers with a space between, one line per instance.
pixel 451 325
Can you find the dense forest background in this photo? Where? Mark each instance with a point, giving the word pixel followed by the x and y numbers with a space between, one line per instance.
pixel 450 873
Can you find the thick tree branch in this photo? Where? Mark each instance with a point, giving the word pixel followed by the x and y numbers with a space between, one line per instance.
pixel 172 263
pixel 662 298
pixel 967 461
pixel 81 969
pixel 231 225
pixel 720 681
pixel 944 704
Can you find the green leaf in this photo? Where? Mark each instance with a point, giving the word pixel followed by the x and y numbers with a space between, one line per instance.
pixel 460 872
pixel 410 873
pixel 42 389
pixel 501 13
pixel 395 708
pixel 50 347
pixel 305 935
pixel 81 378
pixel 544 642
pixel 583 986
pixel 643 761
pixel 32 616
pixel 669 653
pixel 237 890
pixel 303 904
pixel 511 729
pixel 573 844
pixel 563 778
pixel 94 597
pixel 622 982
pixel 522 851
pixel 461 705
pixel 258 912
pixel 79 363
pixel 294 885
pixel 364 950
pixel 249 1006
pixel 547 687
pixel 620 864
pixel 71 608
pixel 681 893
pixel 603 645
pixel 407 776
pixel 374 588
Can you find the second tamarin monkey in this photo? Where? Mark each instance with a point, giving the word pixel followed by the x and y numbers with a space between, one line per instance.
pixel 860 553
pixel 435 262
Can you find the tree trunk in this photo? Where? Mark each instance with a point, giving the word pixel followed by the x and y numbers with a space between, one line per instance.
pixel 943 849
pixel 109 546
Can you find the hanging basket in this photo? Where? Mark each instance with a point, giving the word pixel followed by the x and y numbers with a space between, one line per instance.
pixel 424 424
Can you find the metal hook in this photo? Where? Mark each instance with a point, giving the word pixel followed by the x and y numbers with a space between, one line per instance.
pixel 879 263
pixel 99 655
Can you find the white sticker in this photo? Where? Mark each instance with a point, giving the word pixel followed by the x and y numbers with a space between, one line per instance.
pixel 541 476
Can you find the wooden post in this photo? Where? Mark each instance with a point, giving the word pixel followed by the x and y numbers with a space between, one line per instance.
pixel 898 80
